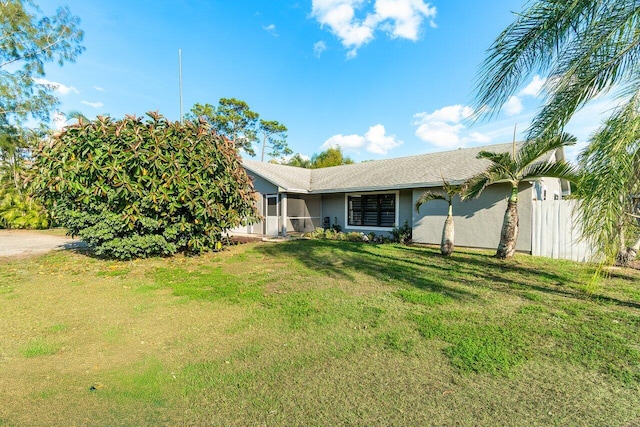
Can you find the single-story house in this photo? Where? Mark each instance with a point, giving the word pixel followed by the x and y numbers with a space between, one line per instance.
pixel 375 196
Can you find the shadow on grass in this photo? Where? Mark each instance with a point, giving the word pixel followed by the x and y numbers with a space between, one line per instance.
pixel 78 246
pixel 425 268
pixel 526 277
pixel 344 260
pixel 558 284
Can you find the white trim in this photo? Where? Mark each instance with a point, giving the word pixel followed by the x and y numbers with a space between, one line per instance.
pixel 267 216
pixel 283 214
pixel 365 227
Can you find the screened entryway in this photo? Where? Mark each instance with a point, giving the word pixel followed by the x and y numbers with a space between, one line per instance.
pixel 304 212
pixel 301 214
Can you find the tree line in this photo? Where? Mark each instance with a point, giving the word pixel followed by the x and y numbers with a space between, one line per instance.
pixel 235 120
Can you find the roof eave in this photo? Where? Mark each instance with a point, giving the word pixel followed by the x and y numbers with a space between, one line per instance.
pixel 281 188
pixel 382 187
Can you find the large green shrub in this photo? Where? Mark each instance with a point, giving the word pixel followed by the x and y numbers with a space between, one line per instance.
pixel 141 187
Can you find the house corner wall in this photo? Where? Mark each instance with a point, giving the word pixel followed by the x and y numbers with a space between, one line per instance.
pixel 262 187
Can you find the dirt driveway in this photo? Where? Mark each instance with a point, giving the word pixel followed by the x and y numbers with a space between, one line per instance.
pixel 31 242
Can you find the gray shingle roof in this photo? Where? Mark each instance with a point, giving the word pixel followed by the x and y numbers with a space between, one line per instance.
pixel 423 170
pixel 293 179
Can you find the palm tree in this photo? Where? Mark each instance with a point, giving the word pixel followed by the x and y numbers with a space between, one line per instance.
pixel 614 153
pixel 585 49
pixel 450 190
pixel 525 164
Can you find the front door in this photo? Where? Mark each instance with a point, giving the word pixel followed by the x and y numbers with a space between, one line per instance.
pixel 272 217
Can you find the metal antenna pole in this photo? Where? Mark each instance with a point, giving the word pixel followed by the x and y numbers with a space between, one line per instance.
pixel 180 64
pixel 514 140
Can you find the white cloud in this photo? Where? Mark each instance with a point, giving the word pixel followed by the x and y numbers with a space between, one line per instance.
pixel 271 28
pixel 513 106
pixel 534 87
pixel 405 16
pixel 339 16
pixel 443 128
pixel 346 142
pixel 398 18
pixel 58 87
pixel 319 48
pixel 99 89
pixel 451 113
pixel 478 137
pixel 374 141
pixel 378 142
pixel 93 104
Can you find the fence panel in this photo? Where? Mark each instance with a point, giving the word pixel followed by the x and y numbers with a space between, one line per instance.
pixel 556 231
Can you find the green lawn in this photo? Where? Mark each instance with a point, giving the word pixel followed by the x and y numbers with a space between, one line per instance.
pixel 317 333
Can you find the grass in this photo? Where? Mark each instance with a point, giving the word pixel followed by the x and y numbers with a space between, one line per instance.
pixel 39 347
pixel 317 333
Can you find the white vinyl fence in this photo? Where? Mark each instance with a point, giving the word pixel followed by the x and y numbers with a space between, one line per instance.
pixel 556 231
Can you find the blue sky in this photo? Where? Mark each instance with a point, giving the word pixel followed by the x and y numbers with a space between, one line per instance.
pixel 380 78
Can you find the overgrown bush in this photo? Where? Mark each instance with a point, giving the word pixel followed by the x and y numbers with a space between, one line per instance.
pixel 331 234
pixel 402 234
pixel 354 236
pixel 318 233
pixel 141 187
pixel 18 210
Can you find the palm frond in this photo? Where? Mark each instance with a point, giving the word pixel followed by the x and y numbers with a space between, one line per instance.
pixel 561 170
pixel 533 150
pixel 501 163
pixel 607 53
pixel 474 186
pixel 614 153
pixel 528 164
pixel 500 158
pixel 428 196
pixel 452 189
pixel 531 43
pixel 618 134
pixel 584 47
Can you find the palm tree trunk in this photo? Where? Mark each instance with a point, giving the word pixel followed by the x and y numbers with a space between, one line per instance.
pixel 628 254
pixel 633 250
pixel 509 234
pixel 446 245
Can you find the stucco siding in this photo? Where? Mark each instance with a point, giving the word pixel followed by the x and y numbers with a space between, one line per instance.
pixel 406 208
pixel 478 222
pixel 333 208
pixel 263 186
